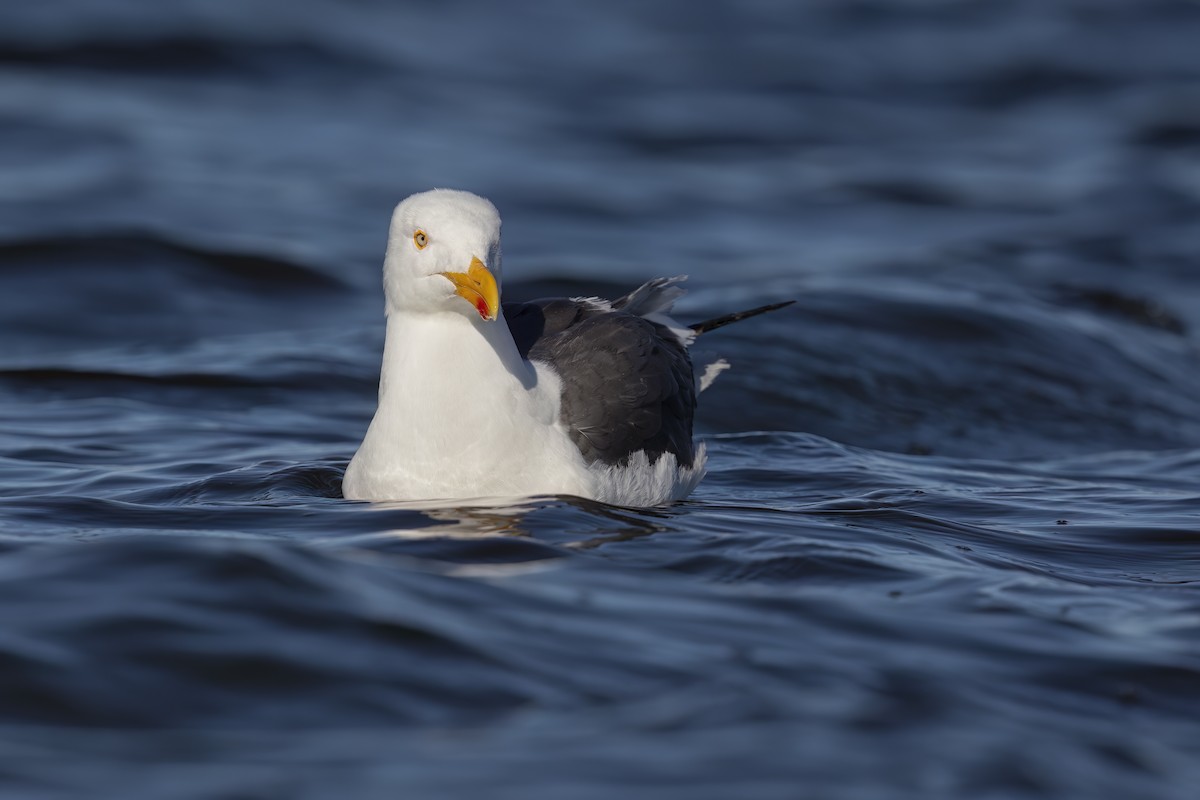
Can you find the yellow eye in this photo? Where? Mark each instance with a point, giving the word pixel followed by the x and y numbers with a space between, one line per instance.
pixel 420 240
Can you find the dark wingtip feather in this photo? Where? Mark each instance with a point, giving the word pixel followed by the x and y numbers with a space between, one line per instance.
pixel 727 319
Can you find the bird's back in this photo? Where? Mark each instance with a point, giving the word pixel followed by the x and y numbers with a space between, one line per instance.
pixel 628 385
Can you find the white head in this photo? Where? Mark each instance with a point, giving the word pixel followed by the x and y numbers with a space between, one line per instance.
pixel 443 254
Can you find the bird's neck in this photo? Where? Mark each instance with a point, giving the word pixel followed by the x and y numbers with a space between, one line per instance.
pixel 452 355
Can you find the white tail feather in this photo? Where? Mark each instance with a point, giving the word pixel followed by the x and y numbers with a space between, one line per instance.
pixel 711 371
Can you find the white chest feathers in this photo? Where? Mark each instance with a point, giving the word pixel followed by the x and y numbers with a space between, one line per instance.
pixel 461 415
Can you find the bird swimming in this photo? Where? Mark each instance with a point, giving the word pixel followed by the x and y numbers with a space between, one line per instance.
pixel 479 399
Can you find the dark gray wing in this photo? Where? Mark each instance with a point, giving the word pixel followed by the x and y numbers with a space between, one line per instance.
pixel 627 381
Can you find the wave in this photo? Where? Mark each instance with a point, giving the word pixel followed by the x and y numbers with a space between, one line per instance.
pixel 188 54
pixel 144 287
pixel 117 250
pixel 963 373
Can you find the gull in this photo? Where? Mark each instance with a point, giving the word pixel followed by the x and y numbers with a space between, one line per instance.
pixel 559 396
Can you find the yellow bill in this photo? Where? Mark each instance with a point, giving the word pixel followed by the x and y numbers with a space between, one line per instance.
pixel 477 287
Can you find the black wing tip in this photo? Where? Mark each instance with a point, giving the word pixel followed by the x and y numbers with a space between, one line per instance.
pixel 737 316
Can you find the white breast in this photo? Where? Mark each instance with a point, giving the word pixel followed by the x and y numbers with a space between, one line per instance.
pixel 461 415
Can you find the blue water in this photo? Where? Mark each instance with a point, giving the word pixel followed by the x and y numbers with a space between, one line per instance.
pixel 949 543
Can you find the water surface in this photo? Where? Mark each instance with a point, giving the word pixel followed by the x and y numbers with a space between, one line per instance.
pixel 949 543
